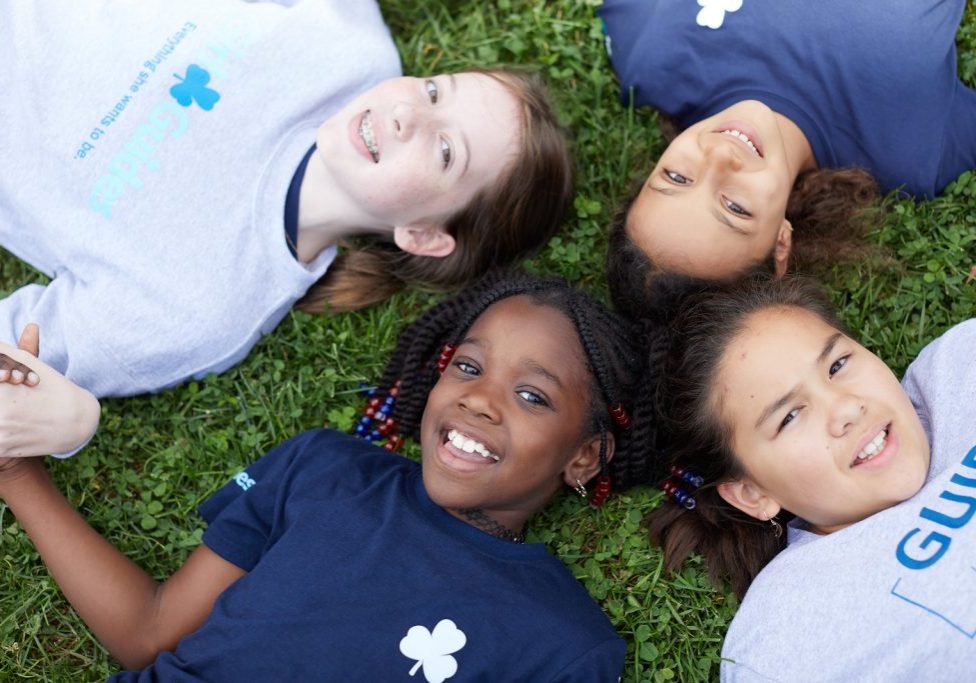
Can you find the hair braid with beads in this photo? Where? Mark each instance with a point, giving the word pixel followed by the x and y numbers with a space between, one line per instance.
pixel 605 338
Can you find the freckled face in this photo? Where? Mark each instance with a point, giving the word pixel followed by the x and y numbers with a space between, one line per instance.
pixel 518 389
pixel 414 150
pixel 716 200
pixel 819 423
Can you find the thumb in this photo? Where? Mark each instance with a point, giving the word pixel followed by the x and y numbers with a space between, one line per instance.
pixel 30 339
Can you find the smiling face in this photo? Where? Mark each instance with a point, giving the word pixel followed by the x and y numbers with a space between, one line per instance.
pixel 414 151
pixel 715 203
pixel 820 425
pixel 503 428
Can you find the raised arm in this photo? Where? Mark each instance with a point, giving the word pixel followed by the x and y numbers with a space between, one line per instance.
pixel 133 616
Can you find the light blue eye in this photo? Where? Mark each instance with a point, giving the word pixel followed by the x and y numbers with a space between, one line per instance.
pixel 431 88
pixel 676 177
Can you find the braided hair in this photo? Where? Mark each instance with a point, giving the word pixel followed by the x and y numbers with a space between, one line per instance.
pixel 605 338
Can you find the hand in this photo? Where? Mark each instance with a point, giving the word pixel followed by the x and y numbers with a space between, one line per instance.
pixel 14 372
pixel 56 417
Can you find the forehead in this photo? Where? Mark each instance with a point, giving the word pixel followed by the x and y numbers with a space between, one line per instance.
pixel 680 233
pixel 526 332
pixel 489 113
pixel 768 357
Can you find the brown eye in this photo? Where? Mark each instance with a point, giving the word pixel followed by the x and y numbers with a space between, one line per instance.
pixel 445 152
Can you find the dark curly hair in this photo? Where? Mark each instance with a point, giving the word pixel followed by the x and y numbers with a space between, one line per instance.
pixel 605 338
pixel 830 210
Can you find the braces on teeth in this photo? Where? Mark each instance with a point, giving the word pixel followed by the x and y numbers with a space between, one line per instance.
pixel 467 445
pixel 366 133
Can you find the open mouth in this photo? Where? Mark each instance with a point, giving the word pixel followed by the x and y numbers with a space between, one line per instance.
pixel 739 135
pixel 873 447
pixel 366 133
pixel 466 445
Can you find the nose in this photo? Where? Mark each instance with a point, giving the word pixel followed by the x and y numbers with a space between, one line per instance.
pixel 846 410
pixel 481 400
pixel 721 156
pixel 404 120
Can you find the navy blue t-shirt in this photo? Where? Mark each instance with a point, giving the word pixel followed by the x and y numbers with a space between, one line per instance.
pixel 354 574
pixel 871 83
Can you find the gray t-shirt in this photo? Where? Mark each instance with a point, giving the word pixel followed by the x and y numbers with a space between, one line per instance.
pixel 893 597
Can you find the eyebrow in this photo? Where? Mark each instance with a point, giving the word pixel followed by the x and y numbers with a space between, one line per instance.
pixel 531 365
pixel 719 216
pixel 539 370
pixel 786 398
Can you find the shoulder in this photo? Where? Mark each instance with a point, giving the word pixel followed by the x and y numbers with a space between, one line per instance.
pixel 948 362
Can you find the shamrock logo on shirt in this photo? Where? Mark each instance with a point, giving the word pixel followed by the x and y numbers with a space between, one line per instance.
pixel 194 87
pixel 432 649
pixel 713 12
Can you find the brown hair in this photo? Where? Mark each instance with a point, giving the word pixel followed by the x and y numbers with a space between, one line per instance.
pixel 830 210
pixel 735 546
pixel 509 220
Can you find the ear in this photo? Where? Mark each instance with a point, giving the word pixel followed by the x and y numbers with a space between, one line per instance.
pixel 752 500
pixel 424 240
pixel 782 248
pixel 586 463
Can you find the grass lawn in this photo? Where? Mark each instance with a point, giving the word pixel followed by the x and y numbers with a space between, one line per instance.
pixel 155 458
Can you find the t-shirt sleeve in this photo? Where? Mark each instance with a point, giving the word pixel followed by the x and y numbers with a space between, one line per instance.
pixel 944 371
pixel 241 515
pixel 602 664
pixel 77 330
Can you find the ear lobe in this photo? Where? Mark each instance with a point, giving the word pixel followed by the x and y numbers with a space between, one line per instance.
pixel 424 240
pixel 783 248
pixel 744 495
pixel 586 463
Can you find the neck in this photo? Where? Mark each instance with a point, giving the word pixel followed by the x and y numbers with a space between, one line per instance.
pixel 326 215
pixel 799 153
pixel 478 519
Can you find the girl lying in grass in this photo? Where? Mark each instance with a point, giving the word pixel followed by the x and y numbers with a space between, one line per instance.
pixel 790 112
pixel 779 417
pixel 332 558
pixel 182 224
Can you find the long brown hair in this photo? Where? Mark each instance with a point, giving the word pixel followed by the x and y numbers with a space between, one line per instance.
pixel 735 546
pixel 830 209
pixel 509 220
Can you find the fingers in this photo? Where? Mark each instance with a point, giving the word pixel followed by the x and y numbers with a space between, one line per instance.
pixel 14 372
pixel 30 339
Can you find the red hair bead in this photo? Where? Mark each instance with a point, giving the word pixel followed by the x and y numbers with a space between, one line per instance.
pixel 444 359
pixel 620 415
pixel 600 492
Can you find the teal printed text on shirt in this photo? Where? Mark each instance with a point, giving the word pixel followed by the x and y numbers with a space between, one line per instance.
pixel 129 169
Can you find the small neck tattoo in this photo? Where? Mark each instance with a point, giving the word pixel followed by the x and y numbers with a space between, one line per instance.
pixel 480 520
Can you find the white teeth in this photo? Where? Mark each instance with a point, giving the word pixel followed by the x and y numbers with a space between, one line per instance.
pixel 468 445
pixel 366 133
pixel 875 446
pixel 741 136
